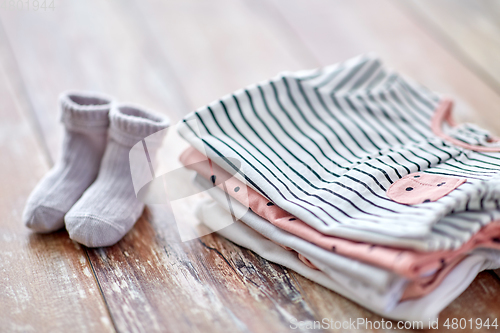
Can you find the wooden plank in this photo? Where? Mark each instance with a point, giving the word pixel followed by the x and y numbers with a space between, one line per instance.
pixel 217 47
pixel 46 283
pixel 480 300
pixel 469 29
pixel 334 30
pixel 87 46
pixel 207 285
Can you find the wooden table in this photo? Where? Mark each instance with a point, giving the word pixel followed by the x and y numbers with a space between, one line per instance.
pixel 174 56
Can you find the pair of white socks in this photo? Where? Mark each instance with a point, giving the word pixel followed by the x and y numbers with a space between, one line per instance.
pixel 89 190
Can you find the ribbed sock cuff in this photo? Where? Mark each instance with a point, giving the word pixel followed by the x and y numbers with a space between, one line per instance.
pixel 83 111
pixel 130 124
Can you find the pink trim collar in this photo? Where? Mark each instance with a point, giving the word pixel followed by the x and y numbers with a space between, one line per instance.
pixel 442 114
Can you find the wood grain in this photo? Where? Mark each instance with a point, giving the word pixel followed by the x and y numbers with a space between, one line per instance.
pixel 470 30
pixel 91 45
pixel 46 283
pixel 217 47
pixel 203 285
pixel 479 300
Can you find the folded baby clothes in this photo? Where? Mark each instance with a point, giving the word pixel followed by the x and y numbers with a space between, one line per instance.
pixel 356 177
pixel 408 263
pixel 327 146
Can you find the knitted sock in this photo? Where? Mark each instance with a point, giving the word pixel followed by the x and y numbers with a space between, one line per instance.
pixel 85 116
pixel 109 207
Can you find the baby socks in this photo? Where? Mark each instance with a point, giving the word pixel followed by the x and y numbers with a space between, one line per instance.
pixel 90 188
pixel 86 121
pixel 109 207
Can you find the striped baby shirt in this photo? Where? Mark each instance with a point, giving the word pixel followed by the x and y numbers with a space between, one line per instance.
pixel 337 148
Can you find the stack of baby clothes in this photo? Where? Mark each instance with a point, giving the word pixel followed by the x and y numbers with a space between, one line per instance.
pixel 355 177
